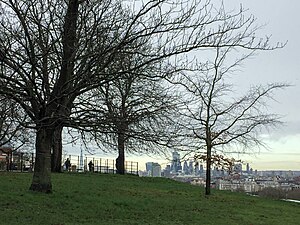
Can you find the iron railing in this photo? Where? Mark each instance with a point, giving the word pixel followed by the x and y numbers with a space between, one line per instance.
pixel 25 162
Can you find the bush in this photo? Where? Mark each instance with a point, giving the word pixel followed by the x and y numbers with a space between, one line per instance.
pixel 294 194
pixel 274 193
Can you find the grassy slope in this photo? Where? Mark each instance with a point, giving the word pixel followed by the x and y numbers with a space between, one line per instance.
pixel 113 199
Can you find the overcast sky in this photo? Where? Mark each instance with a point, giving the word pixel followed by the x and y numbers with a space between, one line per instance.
pixel 282 21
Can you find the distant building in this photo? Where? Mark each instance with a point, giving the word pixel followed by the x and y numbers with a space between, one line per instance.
pixel 143 173
pixel 251 171
pixel 247 168
pixel 5 148
pixel 156 170
pixel 149 166
pixel 153 169
pixel 185 168
pixel 167 171
pixel 238 185
pixel 176 164
pixel 197 171
pixel 5 156
pixel 191 167
pixel 201 169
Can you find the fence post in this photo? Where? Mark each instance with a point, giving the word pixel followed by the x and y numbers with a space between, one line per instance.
pixel 113 167
pixel 93 166
pixel 21 158
pixel 97 166
pixel 106 165
pixel 7 162
pixel 78 164
pixel 100 165
pixel 86 163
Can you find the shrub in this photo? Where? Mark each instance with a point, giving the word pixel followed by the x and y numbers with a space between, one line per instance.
pixel 294 194
pixel 274 193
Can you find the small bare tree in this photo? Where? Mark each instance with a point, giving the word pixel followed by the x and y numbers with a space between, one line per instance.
pixel 132 113
pixel 138 114
pixel 218 118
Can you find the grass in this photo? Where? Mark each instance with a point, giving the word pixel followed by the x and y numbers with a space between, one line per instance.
pixel 113 199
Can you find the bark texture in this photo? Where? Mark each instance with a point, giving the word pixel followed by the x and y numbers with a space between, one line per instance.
pixel 41 181
pixel 208 171
pixel 51 116
pixel 120 161
pixel 56 156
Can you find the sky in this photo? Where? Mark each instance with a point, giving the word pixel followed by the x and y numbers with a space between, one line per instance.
pixel 282 21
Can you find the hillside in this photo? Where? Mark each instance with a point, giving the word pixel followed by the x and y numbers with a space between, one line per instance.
pixel 113 199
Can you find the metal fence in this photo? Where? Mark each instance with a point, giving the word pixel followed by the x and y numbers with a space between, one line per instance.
pixel 25 162
pixel 99 165
pixel 16 161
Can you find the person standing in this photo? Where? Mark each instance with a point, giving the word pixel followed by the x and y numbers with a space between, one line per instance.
pixel 67 164
pixel 91 166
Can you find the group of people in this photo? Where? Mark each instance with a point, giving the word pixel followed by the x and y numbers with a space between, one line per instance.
pixel 67 165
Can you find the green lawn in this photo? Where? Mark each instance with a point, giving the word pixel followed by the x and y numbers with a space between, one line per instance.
pixel 114 199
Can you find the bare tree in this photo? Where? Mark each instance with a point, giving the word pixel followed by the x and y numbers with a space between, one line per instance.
pixel 38 56
pixel 52 52
pixel 218 119
pixel 133 113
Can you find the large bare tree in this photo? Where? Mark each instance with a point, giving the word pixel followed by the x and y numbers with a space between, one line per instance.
pixel 44 69
pixel 52 52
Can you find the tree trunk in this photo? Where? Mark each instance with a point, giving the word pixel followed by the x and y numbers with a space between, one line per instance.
pixel 56 155
pixel 120 161
pixel 41 181
pixel 208 171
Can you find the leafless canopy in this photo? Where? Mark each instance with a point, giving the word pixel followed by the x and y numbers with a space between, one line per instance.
pixel 216 118
pixel 32 33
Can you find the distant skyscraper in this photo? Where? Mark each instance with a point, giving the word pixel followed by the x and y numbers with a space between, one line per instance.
pixel 251 171
pixel 191 167
pixel 185 168
pixel 176 164
pixel 167 171
pixel 201 169
pixel 247 168
pixel 197 171
pixel 156 170
pixel 149 166
pixel 153 169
